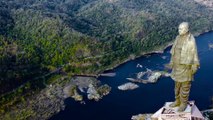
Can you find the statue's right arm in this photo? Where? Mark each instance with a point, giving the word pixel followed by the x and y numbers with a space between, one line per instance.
pixel 173 46
pixel 170 64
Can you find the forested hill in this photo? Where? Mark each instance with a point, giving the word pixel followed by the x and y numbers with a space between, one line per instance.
pixel 86 36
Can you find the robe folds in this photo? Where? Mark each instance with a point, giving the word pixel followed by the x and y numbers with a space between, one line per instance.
pixel 183 57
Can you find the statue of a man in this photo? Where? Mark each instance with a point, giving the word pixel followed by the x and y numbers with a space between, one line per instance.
pixel 184 64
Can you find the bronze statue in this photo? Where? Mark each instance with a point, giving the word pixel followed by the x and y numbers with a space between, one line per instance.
pixel 184 64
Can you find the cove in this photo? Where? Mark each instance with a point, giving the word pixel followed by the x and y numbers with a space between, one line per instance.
pixel 148 98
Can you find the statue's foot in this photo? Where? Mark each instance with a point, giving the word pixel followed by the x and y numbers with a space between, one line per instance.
pixel 182 107
pixel 175 104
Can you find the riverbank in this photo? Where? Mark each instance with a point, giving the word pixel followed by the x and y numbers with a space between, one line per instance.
pixel 39 105
pixel 50 100
pixel 160 49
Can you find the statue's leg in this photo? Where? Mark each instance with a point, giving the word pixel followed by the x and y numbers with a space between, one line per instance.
pixel 184 95
pixel 177 95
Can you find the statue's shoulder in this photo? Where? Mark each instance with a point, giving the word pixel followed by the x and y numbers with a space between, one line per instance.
pixel 177 37
pixel 191 40
pixel 191 37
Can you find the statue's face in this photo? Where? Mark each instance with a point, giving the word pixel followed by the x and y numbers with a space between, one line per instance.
pixel 183 29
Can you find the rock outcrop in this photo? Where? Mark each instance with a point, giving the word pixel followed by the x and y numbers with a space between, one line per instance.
pixel 142 117
pixel 71 91
pixel 148 76
pixel 210 46
pixel 40 106
pixel 92 93
pixel 91 86
pixel 208 114
pixel 128 86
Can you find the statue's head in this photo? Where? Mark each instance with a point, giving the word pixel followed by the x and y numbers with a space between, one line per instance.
pixel 183 28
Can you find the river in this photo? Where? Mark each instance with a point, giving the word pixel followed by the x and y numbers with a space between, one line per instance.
pixel 148 98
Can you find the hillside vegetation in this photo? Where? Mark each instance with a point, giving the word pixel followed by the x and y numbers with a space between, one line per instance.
pixel 38 37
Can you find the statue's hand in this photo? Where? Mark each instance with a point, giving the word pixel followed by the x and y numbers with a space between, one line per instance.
pixel 168 66
pixel 194 68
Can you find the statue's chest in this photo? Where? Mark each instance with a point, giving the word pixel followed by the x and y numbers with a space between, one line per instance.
pixel 179 45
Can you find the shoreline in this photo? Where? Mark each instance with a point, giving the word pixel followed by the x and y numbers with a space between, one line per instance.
pixel 124 62
pixel 162 49
pixel 205 32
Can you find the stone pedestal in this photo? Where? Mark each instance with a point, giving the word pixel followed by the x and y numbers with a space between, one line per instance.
pixel 168 113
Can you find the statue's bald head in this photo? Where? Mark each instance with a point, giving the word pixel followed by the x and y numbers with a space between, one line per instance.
pixel 183 28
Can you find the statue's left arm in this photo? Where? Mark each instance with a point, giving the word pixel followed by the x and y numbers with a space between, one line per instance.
pixel 196 63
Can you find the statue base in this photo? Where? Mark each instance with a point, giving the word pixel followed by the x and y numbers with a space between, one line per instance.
pixel 168 113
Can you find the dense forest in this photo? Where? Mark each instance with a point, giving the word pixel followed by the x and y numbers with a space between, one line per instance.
pixel 39 37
